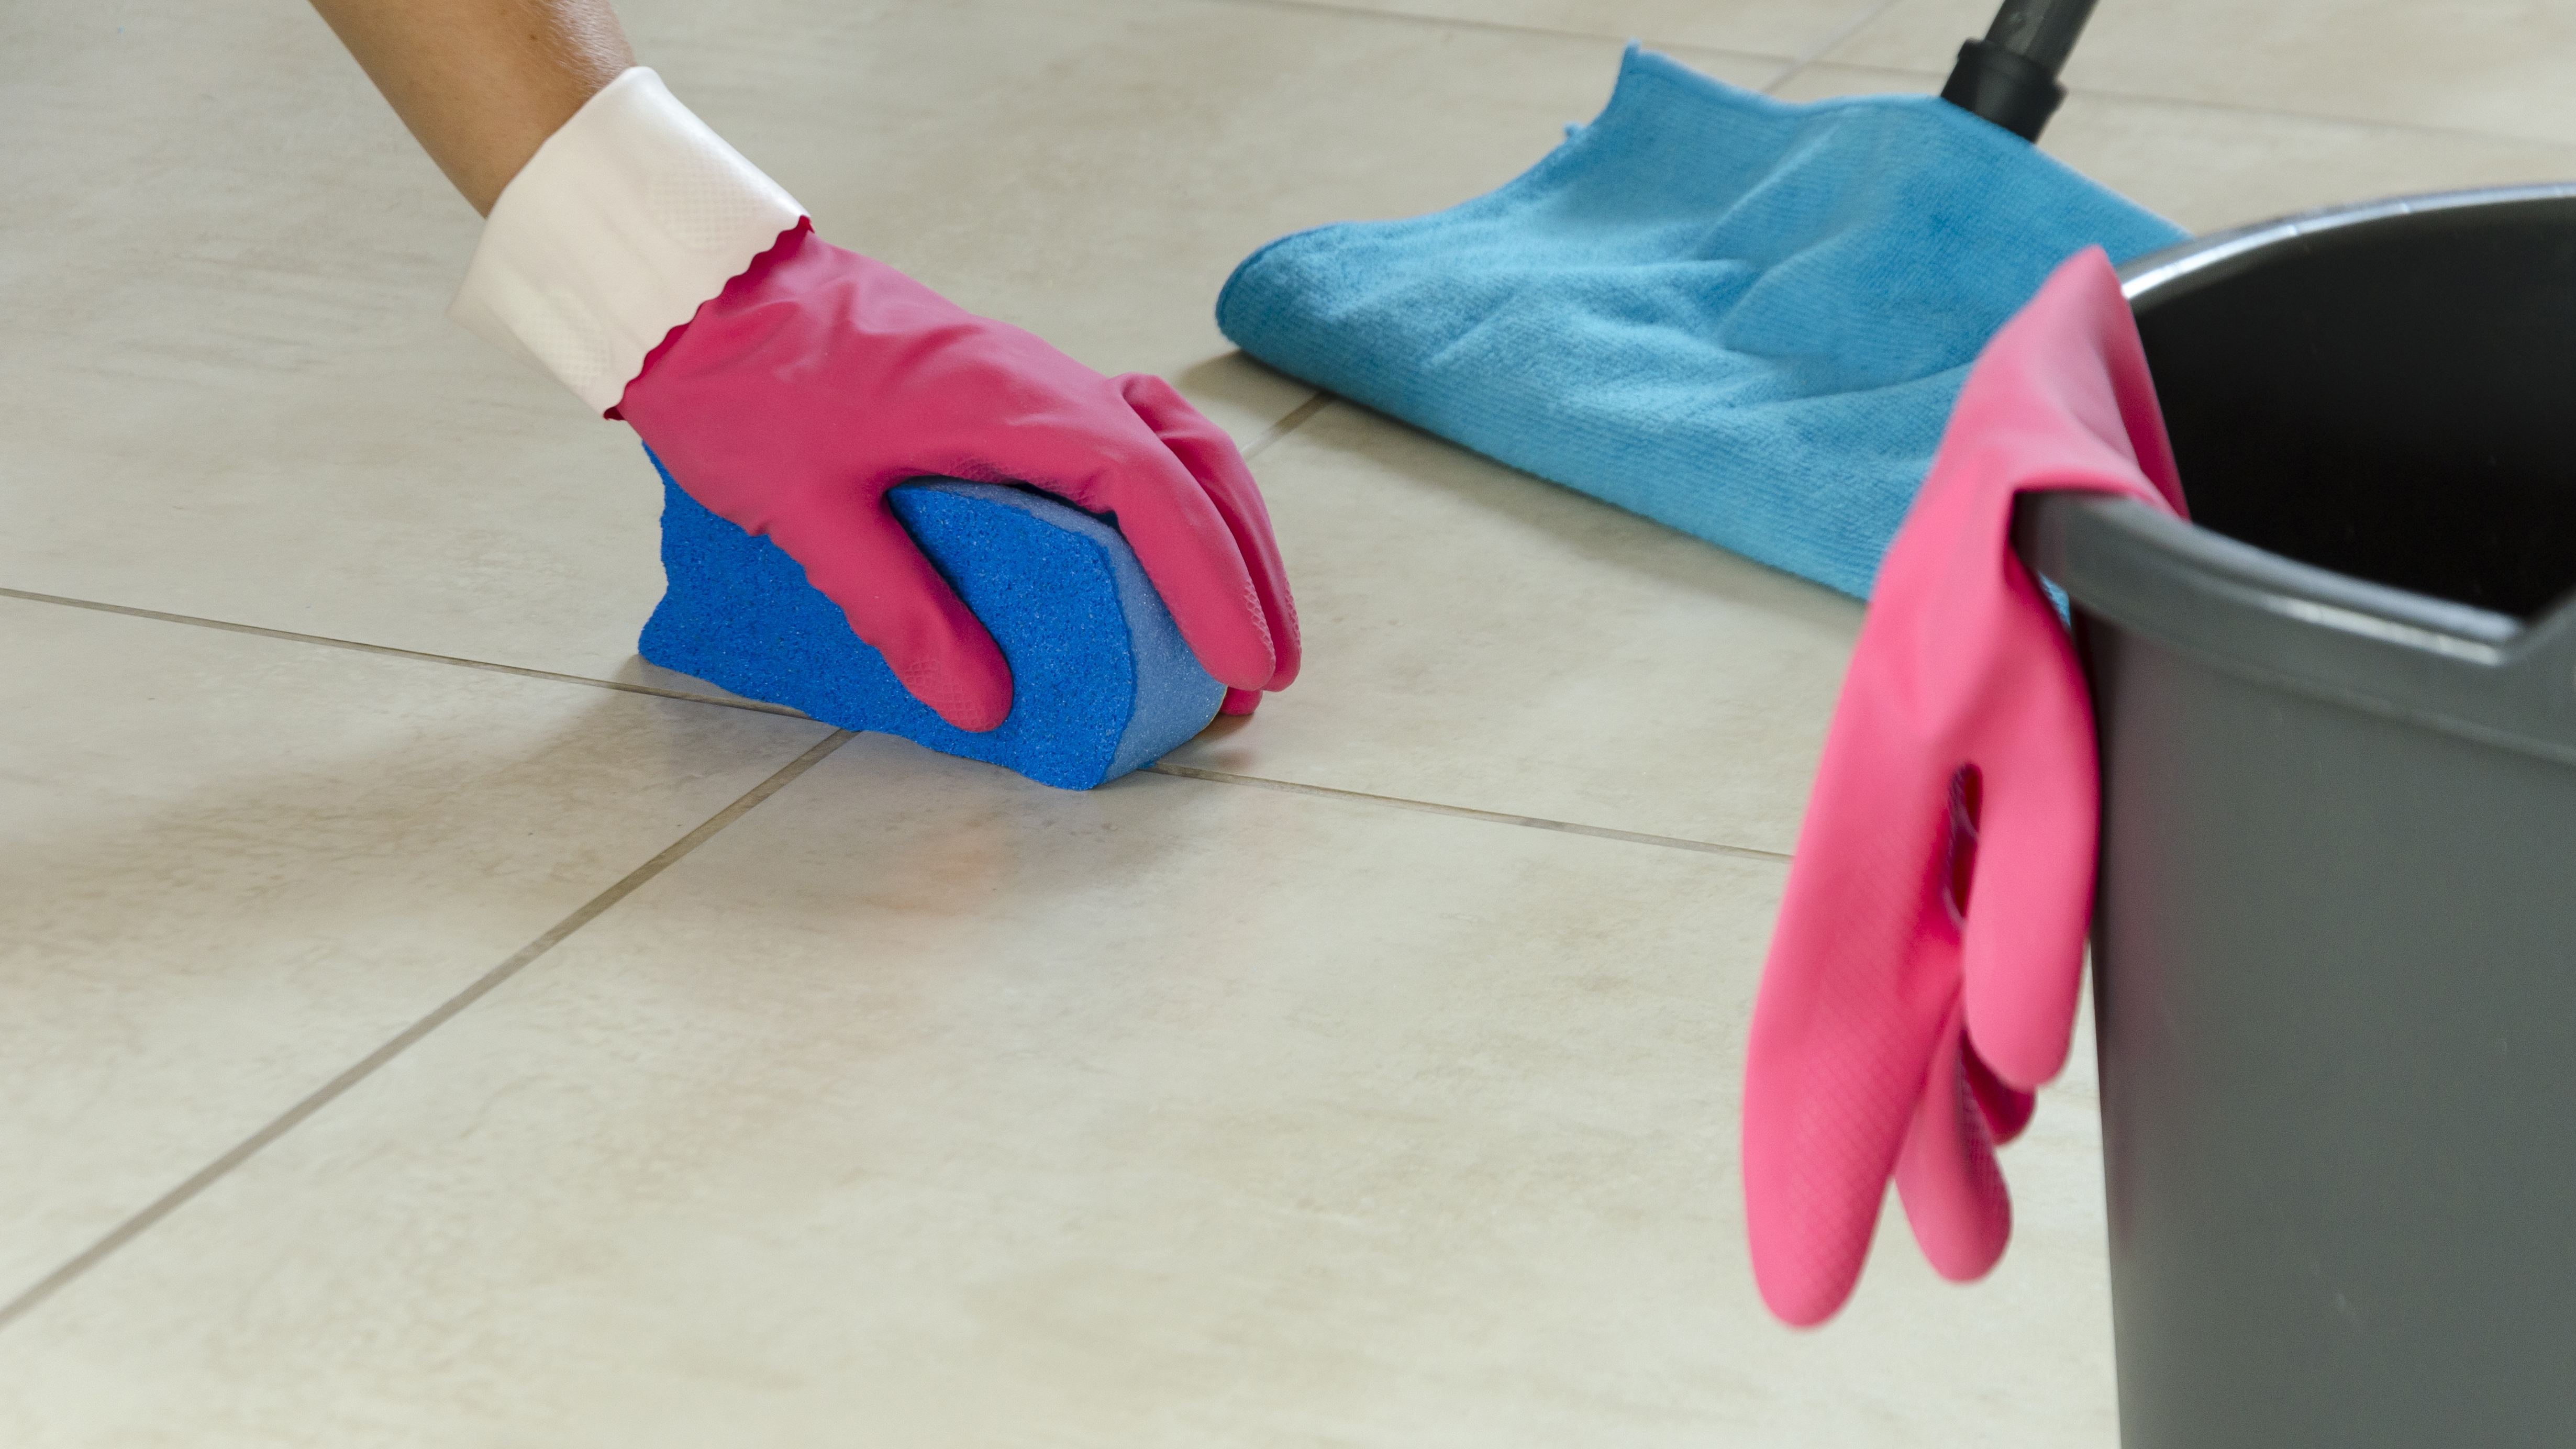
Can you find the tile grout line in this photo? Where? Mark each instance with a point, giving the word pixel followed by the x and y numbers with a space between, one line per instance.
pixel 2242 108
pixel 1815 56
pixel 249 1147
pixel 1463 812
pixel 327 642
pixel 1295 418
pixel 1290 422
pixel 1500 27
pixel 1826 46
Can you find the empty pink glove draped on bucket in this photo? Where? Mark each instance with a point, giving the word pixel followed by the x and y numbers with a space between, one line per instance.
pixel 1925 972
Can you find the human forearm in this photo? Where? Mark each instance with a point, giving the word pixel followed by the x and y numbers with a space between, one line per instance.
pixel 482 83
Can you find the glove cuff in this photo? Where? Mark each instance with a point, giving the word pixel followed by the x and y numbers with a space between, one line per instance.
pixel 628 217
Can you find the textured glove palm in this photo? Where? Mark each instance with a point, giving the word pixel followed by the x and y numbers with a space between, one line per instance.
pixel 1924 976
pixel 819 379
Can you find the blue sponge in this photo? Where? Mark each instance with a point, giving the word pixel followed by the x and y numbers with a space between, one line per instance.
pixel 1101 681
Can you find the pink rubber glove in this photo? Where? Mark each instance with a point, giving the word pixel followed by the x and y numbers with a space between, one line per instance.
pixel 1903 1019
pixel 787 385
pixel 819 379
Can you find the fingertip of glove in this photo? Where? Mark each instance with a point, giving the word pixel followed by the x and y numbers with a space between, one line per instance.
pixel 1806 1300
pixel 975 711
pixel 2023 1047
pixel 2030 1072
pixel 1806 1257
pixel 1243 662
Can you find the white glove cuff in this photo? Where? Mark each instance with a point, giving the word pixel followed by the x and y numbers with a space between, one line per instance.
pixel 628 217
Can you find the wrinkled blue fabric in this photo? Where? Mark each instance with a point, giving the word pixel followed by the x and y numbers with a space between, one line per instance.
pixel 1744 318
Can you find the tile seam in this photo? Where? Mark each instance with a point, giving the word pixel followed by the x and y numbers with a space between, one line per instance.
pixel 1289 422
pixel 1818 55
pixel 1309 408
pixel 1825 47
pixel 1465 812
pixel 2363 123
pixel 1500 27
pixel 327 642
pixel 187 1191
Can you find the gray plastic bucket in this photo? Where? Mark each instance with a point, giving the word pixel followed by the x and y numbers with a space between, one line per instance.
pixel 2334 941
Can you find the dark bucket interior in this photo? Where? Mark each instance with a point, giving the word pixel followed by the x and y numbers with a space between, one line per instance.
pixel 2394 400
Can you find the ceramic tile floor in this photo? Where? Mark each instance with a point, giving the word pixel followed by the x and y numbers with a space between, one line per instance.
pixel 423 1023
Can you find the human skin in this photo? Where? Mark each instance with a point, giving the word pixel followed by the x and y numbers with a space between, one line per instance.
pixel 482 83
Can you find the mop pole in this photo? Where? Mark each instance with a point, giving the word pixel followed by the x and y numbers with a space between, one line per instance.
pixel 2010 77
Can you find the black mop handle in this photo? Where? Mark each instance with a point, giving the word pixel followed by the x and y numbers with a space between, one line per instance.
pixel 2010 77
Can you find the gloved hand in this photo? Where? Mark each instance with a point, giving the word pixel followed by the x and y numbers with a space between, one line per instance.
pixel 788 384
pixel 1925 971
pixel 819 379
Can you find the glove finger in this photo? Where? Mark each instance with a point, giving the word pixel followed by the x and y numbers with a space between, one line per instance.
pixel 2006 1108
pixel 1240 701
pixel 1211 457
pixel 857 553
pixel 1177 533
pixel 1861 981
pixel 1953 1192
pixel 2022 947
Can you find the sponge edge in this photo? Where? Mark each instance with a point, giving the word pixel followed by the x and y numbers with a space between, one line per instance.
pixel 1101 680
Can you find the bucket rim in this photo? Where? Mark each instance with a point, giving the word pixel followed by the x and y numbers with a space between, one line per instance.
pixel 2270 618
pixel 2199 261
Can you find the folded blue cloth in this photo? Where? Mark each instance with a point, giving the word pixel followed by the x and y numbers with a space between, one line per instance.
pixel 1101 680
pixel 1741 317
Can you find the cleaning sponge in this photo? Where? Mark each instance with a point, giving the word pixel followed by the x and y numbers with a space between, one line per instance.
pixel 1101 680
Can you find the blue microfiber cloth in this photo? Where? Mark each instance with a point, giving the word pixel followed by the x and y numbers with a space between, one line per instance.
pixel 1101 680
pixel 1741 317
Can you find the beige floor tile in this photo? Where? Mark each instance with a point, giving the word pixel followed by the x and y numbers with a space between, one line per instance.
pixel 1096 168
pixel 2210 167
pixel 1478 637
pixel 232 866
pixel 926 1107
pixel 2498 66
pixel 227 389
pixel 1785 29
